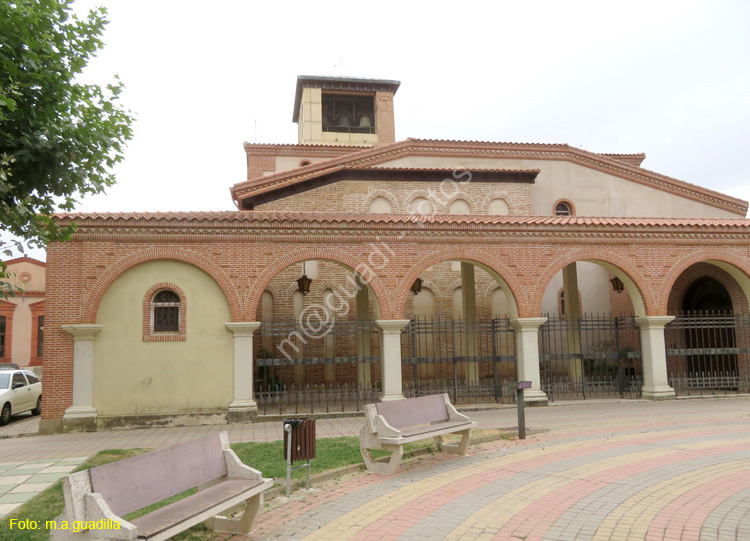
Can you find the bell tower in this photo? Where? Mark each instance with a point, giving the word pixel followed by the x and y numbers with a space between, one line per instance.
pixel 344 111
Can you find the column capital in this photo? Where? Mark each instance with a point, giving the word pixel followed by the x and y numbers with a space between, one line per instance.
pixel 391 326
pixel 653 322
pixel 85 331
pixel 243 328
pixel 528 323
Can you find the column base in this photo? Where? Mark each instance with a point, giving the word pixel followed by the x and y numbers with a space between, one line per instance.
pixel 242 411
pixel 534 397
pixel 391 397
pixel 664 392
pixel 79 419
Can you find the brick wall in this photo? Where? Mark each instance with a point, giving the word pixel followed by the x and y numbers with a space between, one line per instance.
pixel 356 196
pixel 247 262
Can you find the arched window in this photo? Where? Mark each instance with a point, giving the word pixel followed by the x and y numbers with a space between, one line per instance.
pixel 564 208
pixel 165 312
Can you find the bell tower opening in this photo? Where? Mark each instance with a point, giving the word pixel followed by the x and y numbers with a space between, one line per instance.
pixel 344 111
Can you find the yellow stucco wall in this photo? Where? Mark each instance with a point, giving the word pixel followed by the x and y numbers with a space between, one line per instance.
pixel 136 377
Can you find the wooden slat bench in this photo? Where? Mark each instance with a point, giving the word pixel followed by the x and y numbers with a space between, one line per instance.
pixel 107 493
pixel 390 425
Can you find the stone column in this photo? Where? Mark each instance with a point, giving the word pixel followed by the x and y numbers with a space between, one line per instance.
pixel 363 339
pixel 390 356
pixel 527 356
pixel 469 301
pixel 572 316
pixel 243 407
pixel 82 414
pixel 654 357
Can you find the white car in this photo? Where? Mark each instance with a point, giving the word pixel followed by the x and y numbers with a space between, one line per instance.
pixel 20 391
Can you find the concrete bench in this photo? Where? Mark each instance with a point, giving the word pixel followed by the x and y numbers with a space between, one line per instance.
pixel 390 425
pixel 106 493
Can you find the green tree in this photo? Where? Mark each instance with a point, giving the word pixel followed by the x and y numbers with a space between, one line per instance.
pixel 59 139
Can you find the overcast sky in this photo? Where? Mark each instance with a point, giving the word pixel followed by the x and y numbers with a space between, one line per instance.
pixel 668 78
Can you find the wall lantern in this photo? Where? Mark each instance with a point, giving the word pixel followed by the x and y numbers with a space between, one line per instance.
pixel 617 284
pixel 303 283
pixel 416 287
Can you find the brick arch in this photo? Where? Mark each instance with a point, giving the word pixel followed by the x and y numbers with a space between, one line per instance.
pixel 432 286
pixel 505 196
pixel 461 195
pixel 700 270
pixel 427 194
pixel 328 254
pixel 94 297
pixel 385 194
pixel 488 262
pixel 737 267
pixel 613 263
pixel 455 284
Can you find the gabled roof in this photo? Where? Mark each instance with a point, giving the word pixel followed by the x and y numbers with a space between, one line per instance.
pixel 26 259
pixel 244 193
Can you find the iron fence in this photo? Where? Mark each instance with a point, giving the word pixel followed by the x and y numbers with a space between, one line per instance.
pixel 306 398
pixel 473 361
pixel 597 355
pixel 289 356
pixel 708 352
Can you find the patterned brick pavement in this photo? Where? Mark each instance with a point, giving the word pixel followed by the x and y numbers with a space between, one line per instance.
pixel 603 470
pixel 651 471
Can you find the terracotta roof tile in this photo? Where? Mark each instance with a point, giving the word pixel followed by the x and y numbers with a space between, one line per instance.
pixel 140 219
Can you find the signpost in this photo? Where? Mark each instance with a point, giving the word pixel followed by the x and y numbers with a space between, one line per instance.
pixel 519 402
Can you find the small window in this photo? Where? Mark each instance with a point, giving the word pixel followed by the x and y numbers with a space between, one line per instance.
pixel 564 208
pixel 32 378
pixel 165 312
pixel 303 163
pixel 18 378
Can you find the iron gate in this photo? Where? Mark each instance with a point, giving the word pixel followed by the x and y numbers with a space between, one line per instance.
pixel 708 352
pixel 596 356
pixel 473 361
pixel 299 369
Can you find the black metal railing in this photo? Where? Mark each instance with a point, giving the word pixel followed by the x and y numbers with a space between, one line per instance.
pixel 708 352
pixel 597 355
pixel 473 361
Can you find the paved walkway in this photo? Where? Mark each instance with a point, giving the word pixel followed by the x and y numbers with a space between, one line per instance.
pixel 602 471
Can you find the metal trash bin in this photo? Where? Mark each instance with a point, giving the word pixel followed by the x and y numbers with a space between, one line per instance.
pixel 299 444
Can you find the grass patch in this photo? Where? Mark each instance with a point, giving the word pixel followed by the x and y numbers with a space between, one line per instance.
pixel 268 457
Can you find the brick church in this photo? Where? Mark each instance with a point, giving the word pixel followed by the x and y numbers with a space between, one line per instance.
pixel 359 268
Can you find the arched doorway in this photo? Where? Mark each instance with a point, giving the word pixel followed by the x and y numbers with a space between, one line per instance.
pixel 707 321
pixel 589 347
pixel 459 339
pixel 317 348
